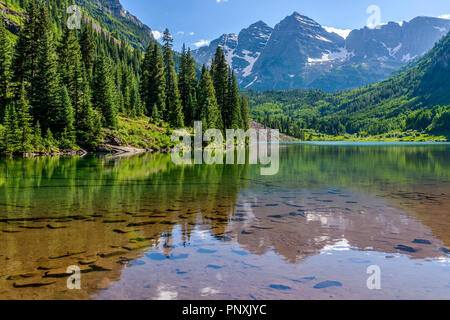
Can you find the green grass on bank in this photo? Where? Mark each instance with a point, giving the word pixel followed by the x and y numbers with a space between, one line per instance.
pixel 407 136
pixel 140 133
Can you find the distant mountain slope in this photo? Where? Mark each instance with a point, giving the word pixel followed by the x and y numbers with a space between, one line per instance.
pixel 417 98
pixel 118 21
pixel 107 15
pixel 300 53
pixel 241 51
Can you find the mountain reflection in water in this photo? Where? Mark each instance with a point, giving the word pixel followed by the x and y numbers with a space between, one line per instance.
pixel 144 228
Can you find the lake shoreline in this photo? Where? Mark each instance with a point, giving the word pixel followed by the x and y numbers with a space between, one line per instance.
pixel 116 150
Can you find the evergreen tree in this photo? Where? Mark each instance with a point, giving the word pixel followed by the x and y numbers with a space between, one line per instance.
pixel 188 86
pixel 89 124
pixel 117 87
pixel 25 58
pixel 209 112
pixel 144 85
pixel 219 70
pixel 24 121
pixel 4 69
pixel 45 84
pixel 245 113
pixel 153 85
pixel 173 103
pixel 64 122
pixel 103 94
pixel 68 50
pixel 37 141
pixel 87 47
pixel 10 139
pixel 76 86
pixel 234 103
pixel 135 105
pixel 70 66
pixel 49 143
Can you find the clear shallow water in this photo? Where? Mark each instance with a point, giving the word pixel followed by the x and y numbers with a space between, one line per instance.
pixel 144 228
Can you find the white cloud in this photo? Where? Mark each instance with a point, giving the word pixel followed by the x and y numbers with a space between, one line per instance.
pixel 445 16
pixel 201 43
pixel 219 1
pixel 156 34
pixel 191 33
pixel 342 32
pixel 181 33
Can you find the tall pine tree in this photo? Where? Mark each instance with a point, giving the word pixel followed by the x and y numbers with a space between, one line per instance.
pixel 89 123
pixel 10 138
pixel 4 69
pixel 103 91
pixel 25 58
pixel 188 86
pixel 153 83
pixel 173 102
pixel 234 103
pixel 87 47
pixel 245 113
pixel 24 122
pixel 219 70
pixel 45 84
pixel 209 112
pixel 64 122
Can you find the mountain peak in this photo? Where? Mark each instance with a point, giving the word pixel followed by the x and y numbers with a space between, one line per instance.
pixel 300 53
pixel 259 23
pixel 302 18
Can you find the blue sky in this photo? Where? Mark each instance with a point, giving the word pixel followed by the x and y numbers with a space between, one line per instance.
pixel 197 21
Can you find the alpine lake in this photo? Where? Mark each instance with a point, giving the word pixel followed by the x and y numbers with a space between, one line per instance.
pixel 141 227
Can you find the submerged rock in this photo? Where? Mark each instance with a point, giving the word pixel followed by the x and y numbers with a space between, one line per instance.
pixel 206 251
pixel 135 246
pixel 277 216
pixel 20 276
pixel 32 284
pixel 405 248
pixel 421 241
pixel 157 256
pixel 55 227
pixel 140 224
pixel 68 254
pixel 114 221
pixel 58 273
pixel 99 268
pixel 120 231
pixel 327 284
pixel 109 254
pixel 86 262
pixel 11 231
pixel 279 287
pixel 241 253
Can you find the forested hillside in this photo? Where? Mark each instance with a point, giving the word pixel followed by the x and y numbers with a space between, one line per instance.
pixel 63 89
pixel 416 100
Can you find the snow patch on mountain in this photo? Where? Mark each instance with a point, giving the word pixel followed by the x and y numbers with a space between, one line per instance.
pixel 443 30
pixel 392 51
pixel 342 32
pixel 336 56
pixel 298 51
pixel 251 83
pixel 323 38
pixel 251 59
